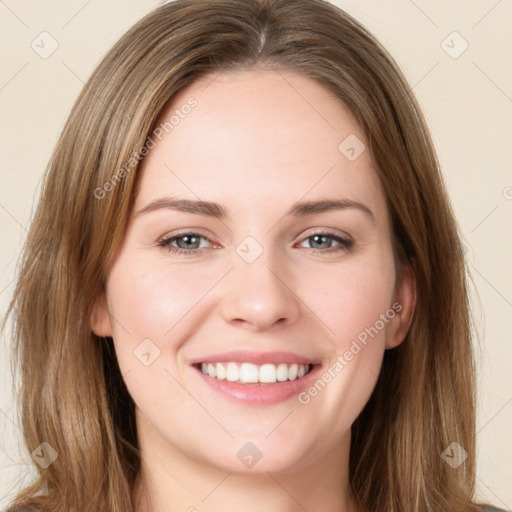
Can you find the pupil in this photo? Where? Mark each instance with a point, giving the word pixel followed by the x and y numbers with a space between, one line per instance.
pixel 316 237
pixel 187 237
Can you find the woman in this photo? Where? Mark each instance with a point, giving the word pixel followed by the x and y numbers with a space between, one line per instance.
pixel 243 286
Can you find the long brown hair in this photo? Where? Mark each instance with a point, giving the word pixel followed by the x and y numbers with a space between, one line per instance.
pixel 73 396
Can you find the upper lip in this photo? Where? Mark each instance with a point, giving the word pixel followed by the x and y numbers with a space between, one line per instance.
pixel 247 356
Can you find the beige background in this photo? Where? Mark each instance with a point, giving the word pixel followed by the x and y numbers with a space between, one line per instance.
pixel 467 101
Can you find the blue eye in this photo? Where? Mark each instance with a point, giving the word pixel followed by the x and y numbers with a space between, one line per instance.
pixel 189 243
pixel 324 240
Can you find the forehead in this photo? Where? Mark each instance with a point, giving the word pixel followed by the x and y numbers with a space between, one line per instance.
pixel 258 137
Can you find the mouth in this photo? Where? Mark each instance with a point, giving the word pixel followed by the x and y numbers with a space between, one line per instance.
pixel 256 379
pixel 249 373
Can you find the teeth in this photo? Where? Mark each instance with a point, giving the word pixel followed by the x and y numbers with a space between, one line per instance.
pixel 251 373
pixel 248 372
pixel 268 373
pixel 282 372
pixel 232 372
pixel 221 372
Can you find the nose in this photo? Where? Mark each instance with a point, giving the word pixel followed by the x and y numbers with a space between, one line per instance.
pixel 259 295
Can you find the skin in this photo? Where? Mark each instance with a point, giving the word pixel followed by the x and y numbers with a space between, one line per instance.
pixel 257 142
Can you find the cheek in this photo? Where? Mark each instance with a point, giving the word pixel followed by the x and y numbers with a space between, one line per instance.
pixel 350 300
pixel 155 307
pixel 354 304
pixel 148 298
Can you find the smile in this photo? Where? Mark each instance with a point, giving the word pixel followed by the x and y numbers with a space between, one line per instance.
pixel 256 378
pixel 249 373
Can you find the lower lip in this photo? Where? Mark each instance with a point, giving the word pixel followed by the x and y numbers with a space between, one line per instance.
pixel 259 394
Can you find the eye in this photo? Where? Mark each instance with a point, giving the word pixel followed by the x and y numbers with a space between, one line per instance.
pixel 323 241
pixel 187 243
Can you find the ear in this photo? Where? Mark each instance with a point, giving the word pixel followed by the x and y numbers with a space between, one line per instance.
pixel 403 305
pixel 100 318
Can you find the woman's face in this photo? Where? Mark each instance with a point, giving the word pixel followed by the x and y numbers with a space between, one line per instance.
pixel 259 251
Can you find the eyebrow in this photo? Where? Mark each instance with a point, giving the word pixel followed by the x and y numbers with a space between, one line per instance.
pixel 215 210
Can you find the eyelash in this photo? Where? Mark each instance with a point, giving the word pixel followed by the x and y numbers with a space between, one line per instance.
pixel 346 244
